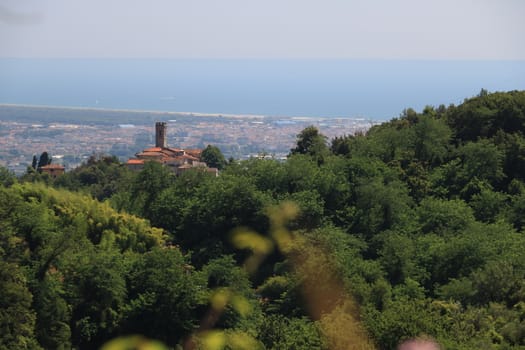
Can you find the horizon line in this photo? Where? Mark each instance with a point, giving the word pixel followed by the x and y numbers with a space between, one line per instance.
pixel 183 113
pixel 250 58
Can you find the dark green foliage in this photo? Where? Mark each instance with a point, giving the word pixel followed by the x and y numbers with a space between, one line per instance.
pixel 311 207
pixel 17 319
pixel 163 295
pixel 77 290
pixel 516 213
pixel 53 313
pixel 420 221
pixel 101 176
pixel 279 332
pixel 431 140
pixel 342 145
pixel 97 295
pixel 223 272
pixel 481 160
pixel 7 178
pixel 136 192
pixel 484 115
pixel 267 174
pixel 213 157
pixel 148 184
pixel 380 206
pixel 207 216
pixel 44 159
pixel 488 204
pixel 311 142
pixel 443 216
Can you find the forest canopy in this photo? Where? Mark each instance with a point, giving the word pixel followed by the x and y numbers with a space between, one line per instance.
pixel 412 229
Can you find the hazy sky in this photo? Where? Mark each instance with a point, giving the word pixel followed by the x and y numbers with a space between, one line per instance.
pixel 386 29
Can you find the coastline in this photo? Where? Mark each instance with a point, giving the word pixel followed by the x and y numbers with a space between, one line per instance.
pixel 183 113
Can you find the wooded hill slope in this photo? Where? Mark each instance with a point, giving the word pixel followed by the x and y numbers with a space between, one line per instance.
pixel 414 228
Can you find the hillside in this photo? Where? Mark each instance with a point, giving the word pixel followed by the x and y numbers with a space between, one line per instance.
pixel 415 228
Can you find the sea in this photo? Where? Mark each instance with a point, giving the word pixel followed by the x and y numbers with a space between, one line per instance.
pixel 371 89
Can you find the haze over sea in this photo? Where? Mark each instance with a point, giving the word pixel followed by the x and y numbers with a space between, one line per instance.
pixel 372 89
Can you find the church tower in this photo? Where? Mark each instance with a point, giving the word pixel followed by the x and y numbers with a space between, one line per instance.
pixel 160 134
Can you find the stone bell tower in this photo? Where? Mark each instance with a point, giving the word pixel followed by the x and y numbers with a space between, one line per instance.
pixel 160 134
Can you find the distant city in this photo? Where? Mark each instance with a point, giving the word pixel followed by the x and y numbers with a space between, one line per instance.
pixel 71 135
pixel 122 99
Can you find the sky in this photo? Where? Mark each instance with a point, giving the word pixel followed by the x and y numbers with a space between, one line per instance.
pixel 305 29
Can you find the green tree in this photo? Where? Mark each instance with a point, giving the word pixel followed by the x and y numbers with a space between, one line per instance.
pixel 390 141
pixel 268 175
pixel 223 273
pixel 516 214
pixel 213 157
pixel 45 159
pixel 101 176
pixel 278 332
pixel 431 139
pixel 498 281
pixel 404 318
pixel 53 312
pixel 513 146
pixel 7 177
pixel 17 319
pixel 217 207
pixel 483 115
pixel 311 142
pixel 398 257
pixel 342 145
pixel 311 208
pixel 381 206
pixel 482 160
pixel 97 289
pixel 163 297
pixel 444 216
pixel 147 186
pixel 488 204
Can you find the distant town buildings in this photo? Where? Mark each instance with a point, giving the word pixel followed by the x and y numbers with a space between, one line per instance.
pixel 178 160
pixel 52 170
pixel 76 135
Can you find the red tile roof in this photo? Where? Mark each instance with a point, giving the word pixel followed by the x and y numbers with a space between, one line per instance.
pixel 194 152
pixel 52 166
pixel 187 156
pixel 153 149
pixel 158 152
pixel 172 156
pixel 150 154
pixel 135 161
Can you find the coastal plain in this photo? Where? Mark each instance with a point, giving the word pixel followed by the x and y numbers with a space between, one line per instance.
pixel 72 134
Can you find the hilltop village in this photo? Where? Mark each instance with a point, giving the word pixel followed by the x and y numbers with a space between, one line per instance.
pixel 71 136
pixel 414 230
pixel 178 160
